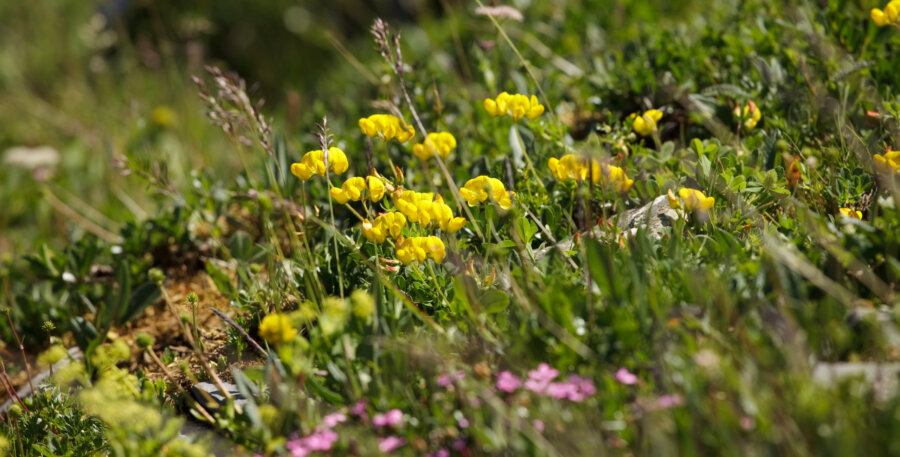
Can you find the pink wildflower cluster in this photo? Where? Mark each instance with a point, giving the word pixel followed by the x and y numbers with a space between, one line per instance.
pixel 321 440
pixel 324 436
pixel 543 381
pixel 446 379
pixel 392 419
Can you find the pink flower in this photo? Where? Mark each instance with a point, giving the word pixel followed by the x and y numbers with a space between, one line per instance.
pixel 580 388
pixel 392 418
pixel 463 422
pixel 442 452
pixel 508 382
pixel 359 410
pixel 446 379
pixel 539 379
pixel 668 401
pixel 584 385
pixel 538 425
pixel 390 443
pixel 322 440
pixel 331 420
pixel 459 445
pixel 626 377
pixel 543 373
pixel 560 390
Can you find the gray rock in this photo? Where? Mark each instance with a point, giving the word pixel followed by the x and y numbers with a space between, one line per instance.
pixel 203 389
pixel 884 320
pixel 882 377
pixel 654 216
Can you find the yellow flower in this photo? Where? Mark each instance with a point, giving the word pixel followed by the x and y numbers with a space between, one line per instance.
pixel 694 200
pixel 313 163
pixel 425 208
pixel 476 190
pixel 571 166
pixel 674 202
pixel 416 206
pixel 645 124
pixel 887 163
pixel 384 225
pixel 847 212
pixel 389 127
pixel 277 329
pixel 878 17
pixel 442 142
pixel 888 16
pixel 419 248
pixel 749 116
pixel 516 106
pixel 353 188
pixel 442 213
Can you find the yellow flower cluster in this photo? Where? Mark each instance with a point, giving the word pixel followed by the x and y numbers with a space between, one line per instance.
pixel 847 212
pixel 690 200
pixel 571 166
pixel 277 329
pixel 888 163
pixel 423 208
pixel 888 16
pixel 384 225
pixel 389 127
pixel 442 142
pixel 313 163
pixel 353 188
pixel 420 248
pixel 645 124
pixel 516 106
pixel 476 190
pixel 749 115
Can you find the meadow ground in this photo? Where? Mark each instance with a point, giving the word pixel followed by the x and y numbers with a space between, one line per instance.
pixel 450 228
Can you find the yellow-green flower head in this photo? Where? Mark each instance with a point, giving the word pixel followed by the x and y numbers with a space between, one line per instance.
pixel 888 16
pixel 476 191
pixel 847 212
pixel 163 116
pixel 313 163
pixel 388 126
pixel 386 224
pixel 887 163
pixel 690 200
pixel 335 314
pixel 419 248
pixel 749 115
pixel 442 142
pixel 645 124
pixel 353 189
pixel 363 304
pixel 515 106
pixel 571 166
pixel 277 329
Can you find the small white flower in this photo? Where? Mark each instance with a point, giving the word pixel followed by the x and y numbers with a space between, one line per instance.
pixel 68 277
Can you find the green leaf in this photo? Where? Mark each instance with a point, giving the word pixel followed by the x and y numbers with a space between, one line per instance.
pixel 493 301
pixel 221 280
pixel 145 295
pixel 241 246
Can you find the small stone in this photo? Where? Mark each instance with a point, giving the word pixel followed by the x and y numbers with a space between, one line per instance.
pixel 213 392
